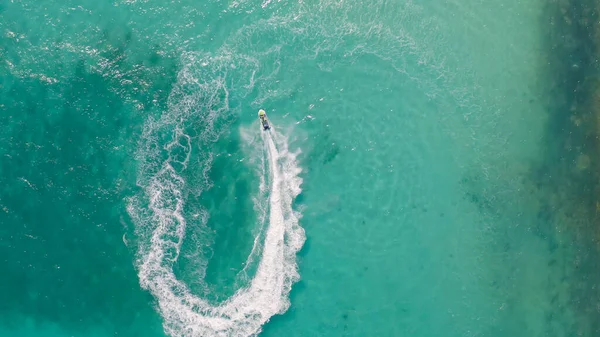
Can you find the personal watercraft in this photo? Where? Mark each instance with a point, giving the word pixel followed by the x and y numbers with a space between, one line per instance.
pixel 262 116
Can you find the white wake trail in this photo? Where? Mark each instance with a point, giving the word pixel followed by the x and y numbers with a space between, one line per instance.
pixel 244 313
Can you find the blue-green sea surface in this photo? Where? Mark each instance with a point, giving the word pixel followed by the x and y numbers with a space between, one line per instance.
pixel 400 191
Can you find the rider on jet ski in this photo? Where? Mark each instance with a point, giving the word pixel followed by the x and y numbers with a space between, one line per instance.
pixel 263 119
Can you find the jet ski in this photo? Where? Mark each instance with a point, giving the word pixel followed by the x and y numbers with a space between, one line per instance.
pixel 262 116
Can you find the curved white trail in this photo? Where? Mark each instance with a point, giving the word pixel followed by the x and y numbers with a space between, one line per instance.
pixel 243 314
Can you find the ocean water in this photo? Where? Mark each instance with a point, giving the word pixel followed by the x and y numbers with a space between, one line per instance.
pixel 430 170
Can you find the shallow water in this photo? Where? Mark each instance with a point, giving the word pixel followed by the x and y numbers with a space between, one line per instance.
pixel 405 188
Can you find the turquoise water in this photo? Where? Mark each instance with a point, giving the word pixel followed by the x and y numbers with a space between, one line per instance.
pixel 416 181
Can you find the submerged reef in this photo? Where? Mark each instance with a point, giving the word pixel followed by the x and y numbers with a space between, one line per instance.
pixel 568 180
pixel 573 161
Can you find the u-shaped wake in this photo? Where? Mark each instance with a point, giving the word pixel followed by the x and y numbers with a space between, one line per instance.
pixel 244 313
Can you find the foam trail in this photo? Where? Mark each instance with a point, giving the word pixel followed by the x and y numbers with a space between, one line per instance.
pixel 261 200
pixel 243 314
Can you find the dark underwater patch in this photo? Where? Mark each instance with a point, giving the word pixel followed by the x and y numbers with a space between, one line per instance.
pixel 568 180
